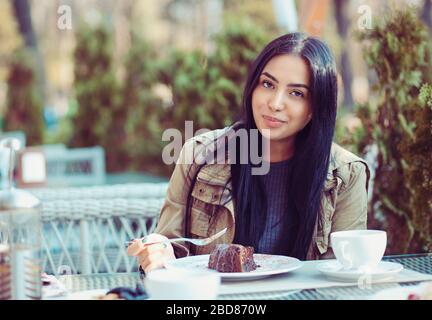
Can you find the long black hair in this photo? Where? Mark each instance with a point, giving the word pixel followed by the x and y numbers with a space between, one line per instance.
pixel 309 163
pixel 312 150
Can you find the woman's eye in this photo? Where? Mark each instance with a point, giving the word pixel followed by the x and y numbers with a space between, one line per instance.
pixel 297 94
pixel 267 84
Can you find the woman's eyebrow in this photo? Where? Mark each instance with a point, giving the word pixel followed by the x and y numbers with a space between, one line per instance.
pixel 288 85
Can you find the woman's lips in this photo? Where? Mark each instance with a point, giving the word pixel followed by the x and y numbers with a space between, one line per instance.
pixel 273 122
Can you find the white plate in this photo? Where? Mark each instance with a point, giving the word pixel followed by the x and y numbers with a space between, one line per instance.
pixel 87 294
pixel 399 293
pixel 334 271
pixel 267 265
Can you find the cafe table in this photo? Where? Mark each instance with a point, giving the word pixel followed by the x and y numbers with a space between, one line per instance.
pixel 421 263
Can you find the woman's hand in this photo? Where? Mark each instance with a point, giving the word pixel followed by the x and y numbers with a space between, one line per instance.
pixel 152 256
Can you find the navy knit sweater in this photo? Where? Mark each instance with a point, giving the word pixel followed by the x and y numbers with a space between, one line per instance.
pixel 275 184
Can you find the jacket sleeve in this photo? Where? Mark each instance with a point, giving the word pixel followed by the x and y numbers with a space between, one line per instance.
pixel 352 201
pixel 171 219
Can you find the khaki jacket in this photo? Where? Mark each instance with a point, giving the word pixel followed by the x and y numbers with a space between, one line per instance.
pixel 344 203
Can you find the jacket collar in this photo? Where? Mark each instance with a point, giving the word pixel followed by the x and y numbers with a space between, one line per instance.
pixel 220 174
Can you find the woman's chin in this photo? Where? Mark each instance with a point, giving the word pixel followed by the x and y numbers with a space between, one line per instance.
pixel 266 133
pixel 273 133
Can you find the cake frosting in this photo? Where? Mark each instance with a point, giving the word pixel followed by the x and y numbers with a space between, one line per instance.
pixel 232 258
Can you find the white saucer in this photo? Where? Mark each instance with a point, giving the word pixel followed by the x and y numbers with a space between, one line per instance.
pixel 334 271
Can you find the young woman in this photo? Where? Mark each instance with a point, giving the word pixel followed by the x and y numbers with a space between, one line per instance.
pixel 313 187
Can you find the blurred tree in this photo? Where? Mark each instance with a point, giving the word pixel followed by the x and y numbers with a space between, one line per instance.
pixel 10 41
pixel 185 73
pixel 10 38
pixel 236 48
pixel 418 151
pixel 342 22
pixel 261 12
pixel 23 15
pixel 24 102
pixel 146 114
pixel 208 90
pixel 397 50
pixel 192 22
pixel 186 85
pixel 100 118
pixel 158 92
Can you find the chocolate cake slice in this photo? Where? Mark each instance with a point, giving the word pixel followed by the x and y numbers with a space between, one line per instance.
pixel 232 258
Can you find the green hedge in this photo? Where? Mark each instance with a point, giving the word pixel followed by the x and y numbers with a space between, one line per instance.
pixel 24 111
pixel 99 113
pixel 128 118
pixel 398 50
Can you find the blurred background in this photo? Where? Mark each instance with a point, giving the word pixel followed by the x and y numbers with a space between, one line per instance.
pixel 100 80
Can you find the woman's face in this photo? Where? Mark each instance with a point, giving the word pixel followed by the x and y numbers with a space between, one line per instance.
pixel 281 100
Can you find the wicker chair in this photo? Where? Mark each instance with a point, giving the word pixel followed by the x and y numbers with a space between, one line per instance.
pixel 83 234
pixel 125 191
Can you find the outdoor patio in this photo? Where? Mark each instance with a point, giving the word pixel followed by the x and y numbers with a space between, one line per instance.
pixel 92 91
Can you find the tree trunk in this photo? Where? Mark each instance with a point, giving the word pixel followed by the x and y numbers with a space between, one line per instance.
pixel 22 12
pixel 342 27
pixel 426 13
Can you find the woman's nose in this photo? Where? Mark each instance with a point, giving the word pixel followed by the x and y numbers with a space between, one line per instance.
pixel 277 101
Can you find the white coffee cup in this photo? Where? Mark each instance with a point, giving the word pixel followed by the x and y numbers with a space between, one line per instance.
pixel 179 284
pixel 356 249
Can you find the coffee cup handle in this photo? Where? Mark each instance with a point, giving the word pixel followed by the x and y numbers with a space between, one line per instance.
pixel 346 258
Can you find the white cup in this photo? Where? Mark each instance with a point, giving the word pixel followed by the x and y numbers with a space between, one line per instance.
pixel 179 284
pixel 357 249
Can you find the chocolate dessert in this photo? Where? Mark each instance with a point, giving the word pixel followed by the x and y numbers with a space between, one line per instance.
pixel 232 258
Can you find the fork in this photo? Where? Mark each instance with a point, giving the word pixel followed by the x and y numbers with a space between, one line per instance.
pixel 197 242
